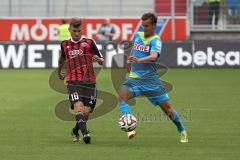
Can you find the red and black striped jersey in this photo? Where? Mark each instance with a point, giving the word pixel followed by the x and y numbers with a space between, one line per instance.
pixel 79 59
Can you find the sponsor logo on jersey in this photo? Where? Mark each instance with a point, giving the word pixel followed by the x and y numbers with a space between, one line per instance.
pixel 75 53
pixel 140 47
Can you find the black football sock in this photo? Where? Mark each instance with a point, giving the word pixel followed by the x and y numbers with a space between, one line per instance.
pixel 82 122
pixel 76 129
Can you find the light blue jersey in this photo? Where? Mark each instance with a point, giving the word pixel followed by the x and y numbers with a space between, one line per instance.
pixel 143 47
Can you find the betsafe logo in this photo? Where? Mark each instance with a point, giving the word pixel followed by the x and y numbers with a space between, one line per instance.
pixel 211 57
pixel 108 100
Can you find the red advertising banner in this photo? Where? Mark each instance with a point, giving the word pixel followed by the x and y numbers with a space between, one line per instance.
pixel 45 29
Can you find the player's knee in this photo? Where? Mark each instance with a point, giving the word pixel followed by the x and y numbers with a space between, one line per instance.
pixel 123 95
pixel 79 107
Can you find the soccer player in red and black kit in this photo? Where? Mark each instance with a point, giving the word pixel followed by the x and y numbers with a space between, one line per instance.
pixel 77 55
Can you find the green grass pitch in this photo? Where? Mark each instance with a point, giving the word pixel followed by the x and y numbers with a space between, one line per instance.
pixel 208 100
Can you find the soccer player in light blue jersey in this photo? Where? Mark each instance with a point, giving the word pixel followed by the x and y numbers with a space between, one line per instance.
pixel 143 79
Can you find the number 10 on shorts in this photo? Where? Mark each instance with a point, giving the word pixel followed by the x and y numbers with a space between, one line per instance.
pixel 74 96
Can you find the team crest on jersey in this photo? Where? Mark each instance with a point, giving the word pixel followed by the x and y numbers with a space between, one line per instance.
pixel 75 53
pixel 140 47
pixel 84 44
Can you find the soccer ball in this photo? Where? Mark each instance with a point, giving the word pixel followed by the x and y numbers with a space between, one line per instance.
pixel 127 122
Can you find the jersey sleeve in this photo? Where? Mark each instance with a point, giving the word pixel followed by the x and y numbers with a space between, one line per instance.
pixel 95 49
pixel 156 45
pixel 63 45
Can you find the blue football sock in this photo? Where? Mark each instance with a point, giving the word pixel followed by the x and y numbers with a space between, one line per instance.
pixel 177 121
pixel 124 108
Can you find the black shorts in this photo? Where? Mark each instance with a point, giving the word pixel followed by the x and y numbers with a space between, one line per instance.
pixel 82 91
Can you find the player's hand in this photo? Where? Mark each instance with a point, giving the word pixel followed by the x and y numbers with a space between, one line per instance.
pixel 128 66
pixel 99 59
pixel 61 75
pixel 132 59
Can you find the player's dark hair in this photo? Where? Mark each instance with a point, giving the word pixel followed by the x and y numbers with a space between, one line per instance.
pixel 75 22
pixel 151 16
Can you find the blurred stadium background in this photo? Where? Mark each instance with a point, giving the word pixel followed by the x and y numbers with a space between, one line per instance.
pixel 203 58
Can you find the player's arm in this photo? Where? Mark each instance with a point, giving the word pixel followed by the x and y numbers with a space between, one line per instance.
pixel 97 54
pixel 151 58
pixel 61 62
pixel 128 64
